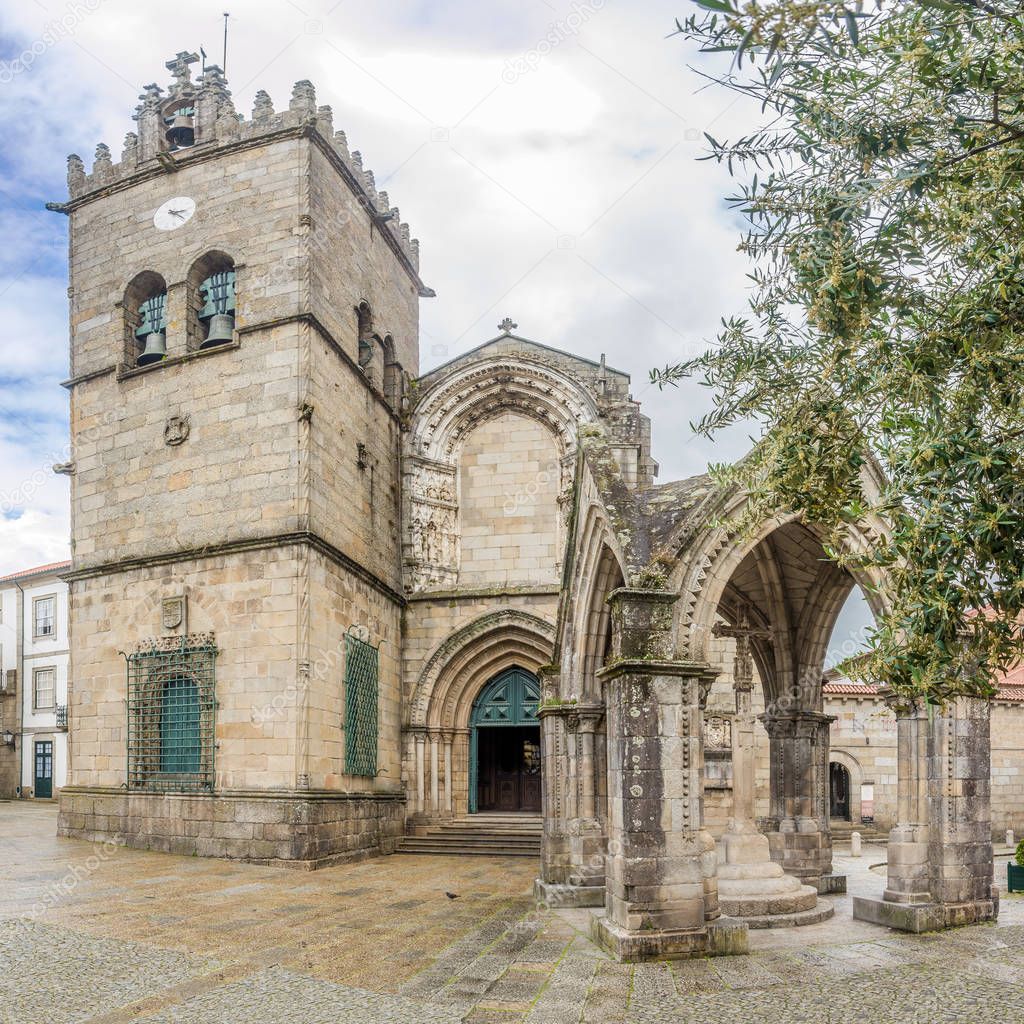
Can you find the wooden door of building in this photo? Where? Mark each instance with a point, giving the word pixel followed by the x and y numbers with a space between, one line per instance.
pixel 509 769
pixel 505 762
pixel 42 787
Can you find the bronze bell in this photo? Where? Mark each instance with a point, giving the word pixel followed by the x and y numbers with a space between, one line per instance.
pixel 155 350
pixel 182 131
pixel 222 330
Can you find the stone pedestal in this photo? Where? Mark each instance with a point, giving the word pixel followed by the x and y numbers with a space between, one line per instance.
pixel 753 888
pixel 940 852
pixel 662 893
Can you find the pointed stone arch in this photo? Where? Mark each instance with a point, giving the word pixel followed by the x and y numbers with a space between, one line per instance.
pixel 463 664
pixel 438 755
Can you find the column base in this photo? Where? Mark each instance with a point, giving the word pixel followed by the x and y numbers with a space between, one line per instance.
pixel 822 911
pixel 831 884
pixel 924 917
pixel 561 894
pixel 723 937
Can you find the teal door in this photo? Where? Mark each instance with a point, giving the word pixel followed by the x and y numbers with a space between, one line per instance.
pixel 43 786
pixel 504 744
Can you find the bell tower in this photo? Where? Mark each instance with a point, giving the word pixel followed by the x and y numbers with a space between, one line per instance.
pixel 244 324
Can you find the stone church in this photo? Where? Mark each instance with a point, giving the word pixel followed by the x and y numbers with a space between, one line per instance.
pixel 319 601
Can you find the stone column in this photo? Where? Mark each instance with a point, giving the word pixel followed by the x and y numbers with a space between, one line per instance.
pixel 801 840
pixel 940 869
pixel 587 839
pixel 435 789
pixel 662 892
pixel 449 795
pixel 588 722
pixel 960 812
pixel 461 769
pixel 908 841
pixel 743 791
pixel 556 778
pixel 421 801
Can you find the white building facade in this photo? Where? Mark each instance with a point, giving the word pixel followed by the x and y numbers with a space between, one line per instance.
pixel 34 675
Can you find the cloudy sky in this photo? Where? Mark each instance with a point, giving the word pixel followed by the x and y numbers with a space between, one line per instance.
pixel 545 152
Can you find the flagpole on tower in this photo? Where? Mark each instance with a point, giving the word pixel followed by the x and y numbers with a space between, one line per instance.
pixel 224 62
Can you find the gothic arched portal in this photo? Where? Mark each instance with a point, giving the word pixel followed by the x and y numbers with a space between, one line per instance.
pixel 504 745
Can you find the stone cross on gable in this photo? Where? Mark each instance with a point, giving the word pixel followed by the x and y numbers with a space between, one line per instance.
pixel 179 67
pixel 743 633
pixel 507 326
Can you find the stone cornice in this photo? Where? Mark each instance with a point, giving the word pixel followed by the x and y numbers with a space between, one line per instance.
pixel 236 547
pixel 645 667
pixel 644 596
pixel 471 594
pixel 126 373
pixel 397 796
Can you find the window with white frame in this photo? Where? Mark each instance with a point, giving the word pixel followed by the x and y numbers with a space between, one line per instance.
pixel 44 621
pixel 44 683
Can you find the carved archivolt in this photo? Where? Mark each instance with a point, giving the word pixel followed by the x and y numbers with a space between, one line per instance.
pixel 484 389
pixel 444 417
pixel 469 657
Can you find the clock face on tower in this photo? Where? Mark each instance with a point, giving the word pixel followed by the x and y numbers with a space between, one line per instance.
pixel 174 213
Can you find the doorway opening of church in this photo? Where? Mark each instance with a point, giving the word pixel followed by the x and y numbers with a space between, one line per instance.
pixel 504 745
pixel 839 791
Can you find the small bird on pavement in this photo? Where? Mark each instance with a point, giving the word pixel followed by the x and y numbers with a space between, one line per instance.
pixel 452 895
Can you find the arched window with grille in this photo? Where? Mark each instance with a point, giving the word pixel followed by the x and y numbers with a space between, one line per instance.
pixel 171 714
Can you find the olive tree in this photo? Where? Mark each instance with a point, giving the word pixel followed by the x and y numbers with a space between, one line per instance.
pixel 884 210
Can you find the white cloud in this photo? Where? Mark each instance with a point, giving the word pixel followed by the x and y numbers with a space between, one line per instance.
pixel 570 198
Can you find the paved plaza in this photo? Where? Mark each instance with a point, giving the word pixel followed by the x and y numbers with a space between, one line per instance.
pixel 107 935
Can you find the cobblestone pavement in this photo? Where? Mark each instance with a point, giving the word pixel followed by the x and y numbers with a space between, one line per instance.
pixel 108 936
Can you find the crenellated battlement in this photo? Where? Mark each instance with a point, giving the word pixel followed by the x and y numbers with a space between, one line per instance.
pixel 193 117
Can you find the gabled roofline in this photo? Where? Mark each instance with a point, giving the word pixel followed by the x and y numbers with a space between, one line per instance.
pixel 529 341
pixel 50 569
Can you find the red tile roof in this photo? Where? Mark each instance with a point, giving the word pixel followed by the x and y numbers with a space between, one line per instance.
pixel 39 570
pixel 1011 687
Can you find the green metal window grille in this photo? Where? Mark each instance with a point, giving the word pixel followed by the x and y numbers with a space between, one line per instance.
pixel 361 703
pixel 171 711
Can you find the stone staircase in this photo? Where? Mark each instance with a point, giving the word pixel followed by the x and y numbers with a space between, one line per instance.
pixel 484 835
pixel 842 830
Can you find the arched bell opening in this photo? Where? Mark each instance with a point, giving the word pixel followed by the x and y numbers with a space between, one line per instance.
pixel 211 301
pixel 145 319
pixel 504 746
pixel 179 118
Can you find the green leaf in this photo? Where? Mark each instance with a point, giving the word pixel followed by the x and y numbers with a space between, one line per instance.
pixel 851 26
pixel 716 5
